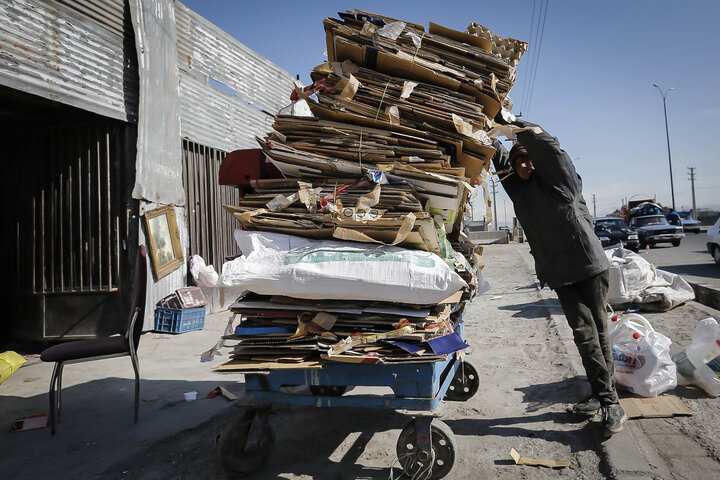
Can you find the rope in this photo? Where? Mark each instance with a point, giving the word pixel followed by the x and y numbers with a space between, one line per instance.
pixel 381 102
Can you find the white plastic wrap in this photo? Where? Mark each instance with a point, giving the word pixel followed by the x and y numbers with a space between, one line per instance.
pixel 634 280
pixel 206 278
pixel 278 264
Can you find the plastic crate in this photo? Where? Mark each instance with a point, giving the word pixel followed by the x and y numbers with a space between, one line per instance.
pixel 179 320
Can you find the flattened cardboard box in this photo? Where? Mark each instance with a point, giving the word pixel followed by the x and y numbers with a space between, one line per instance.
pixel 658 407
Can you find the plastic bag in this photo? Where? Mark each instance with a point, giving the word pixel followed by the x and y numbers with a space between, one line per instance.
pixel 642 357
pixel 699 363
pixel 206 278
pixel 9 363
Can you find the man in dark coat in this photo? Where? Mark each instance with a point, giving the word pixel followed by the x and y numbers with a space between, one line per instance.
pixel 546 192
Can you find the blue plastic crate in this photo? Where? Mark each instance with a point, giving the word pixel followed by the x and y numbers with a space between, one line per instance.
pixel 179 320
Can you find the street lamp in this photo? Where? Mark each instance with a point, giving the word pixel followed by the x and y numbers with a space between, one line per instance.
pixel 667 136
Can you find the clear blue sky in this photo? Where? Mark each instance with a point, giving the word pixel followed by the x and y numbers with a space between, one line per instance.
pixel 593 82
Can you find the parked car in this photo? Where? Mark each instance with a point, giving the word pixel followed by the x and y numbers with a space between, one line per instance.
pixel 689 224
pixel 654 229
pixel 713 241
pixel 613 231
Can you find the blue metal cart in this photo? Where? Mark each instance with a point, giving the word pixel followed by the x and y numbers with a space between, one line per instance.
pixel 426 445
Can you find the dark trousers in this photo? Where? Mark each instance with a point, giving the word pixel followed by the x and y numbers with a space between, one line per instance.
pixel 584 306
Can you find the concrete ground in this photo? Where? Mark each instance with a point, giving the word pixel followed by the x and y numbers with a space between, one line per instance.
pixel 529 374
pixel 96 427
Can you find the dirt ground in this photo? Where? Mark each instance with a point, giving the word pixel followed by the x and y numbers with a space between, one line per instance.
pixel 529 375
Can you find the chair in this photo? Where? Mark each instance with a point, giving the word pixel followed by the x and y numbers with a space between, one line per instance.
pixel 104 347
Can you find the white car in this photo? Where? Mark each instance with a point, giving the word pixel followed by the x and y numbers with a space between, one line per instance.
pixel 713 241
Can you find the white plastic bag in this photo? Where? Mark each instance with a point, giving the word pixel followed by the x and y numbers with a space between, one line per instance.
pixel 642 357
pixel 206 278
pixel 699 363
pixel 278 264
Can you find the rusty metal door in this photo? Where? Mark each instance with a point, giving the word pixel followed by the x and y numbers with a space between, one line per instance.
pixel 65 225
pixel 210 226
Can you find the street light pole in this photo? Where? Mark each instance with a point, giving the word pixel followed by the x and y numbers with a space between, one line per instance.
pixel 667 136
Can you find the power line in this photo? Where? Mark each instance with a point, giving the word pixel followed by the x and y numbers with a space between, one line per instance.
pixel 526 79
pixel 537 55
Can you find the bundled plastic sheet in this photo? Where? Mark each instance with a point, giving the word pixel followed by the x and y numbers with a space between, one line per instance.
pixel 278 264
pixel 634 280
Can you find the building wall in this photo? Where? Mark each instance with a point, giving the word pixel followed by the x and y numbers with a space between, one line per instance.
pixel 228 92
pixel 57 53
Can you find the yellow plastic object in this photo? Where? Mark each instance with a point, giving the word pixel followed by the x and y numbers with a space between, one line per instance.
pixel 9 362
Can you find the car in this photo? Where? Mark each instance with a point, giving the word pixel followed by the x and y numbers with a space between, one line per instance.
pixel 689 224
pixel 713 241
pixel 654 229
pixel 613 231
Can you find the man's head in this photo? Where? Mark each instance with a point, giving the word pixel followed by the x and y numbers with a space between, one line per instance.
pixel 520 161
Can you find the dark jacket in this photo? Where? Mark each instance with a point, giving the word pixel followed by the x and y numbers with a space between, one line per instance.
pixel 552 212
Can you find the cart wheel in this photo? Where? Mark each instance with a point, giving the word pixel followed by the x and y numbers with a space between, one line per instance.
pixel 234 457
pixel 328 390
pixel 464 385
pixel 421 465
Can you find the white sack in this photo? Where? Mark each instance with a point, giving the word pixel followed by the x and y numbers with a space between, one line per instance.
pixel 634 280
pixel 278 264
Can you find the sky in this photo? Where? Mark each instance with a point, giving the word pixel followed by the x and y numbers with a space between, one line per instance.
pixel 587 79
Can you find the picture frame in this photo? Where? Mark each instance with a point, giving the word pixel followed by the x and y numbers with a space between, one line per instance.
pixel 163 239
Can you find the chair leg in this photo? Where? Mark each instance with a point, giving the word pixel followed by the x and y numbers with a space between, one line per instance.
pixel 58 391
pixel 136 367
pixel 53 400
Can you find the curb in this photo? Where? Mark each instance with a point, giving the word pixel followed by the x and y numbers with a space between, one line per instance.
pixel 706 295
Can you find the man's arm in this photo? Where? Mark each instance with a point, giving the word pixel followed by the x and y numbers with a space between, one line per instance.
pixel 550 161
pixel 501 160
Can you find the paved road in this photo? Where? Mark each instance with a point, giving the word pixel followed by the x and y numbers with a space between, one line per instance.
pixel 691 260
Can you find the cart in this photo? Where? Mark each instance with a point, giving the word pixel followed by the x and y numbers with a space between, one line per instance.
pixel 426 446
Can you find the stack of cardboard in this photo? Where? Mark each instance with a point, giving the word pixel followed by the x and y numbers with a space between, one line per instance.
pixel 282 332
pixel 399 133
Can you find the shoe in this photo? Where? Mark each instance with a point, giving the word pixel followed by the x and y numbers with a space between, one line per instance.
pixel 589 406
pixel 613 418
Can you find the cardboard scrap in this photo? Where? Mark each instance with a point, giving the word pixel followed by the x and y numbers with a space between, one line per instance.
pixel 251 366
pixel 30 422
pixel 539 462
pixel 222 391
pixel 657 407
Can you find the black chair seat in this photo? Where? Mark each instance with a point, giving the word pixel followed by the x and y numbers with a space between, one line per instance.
pixel 95 347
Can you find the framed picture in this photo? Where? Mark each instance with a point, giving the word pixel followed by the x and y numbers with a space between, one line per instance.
pixel 163 238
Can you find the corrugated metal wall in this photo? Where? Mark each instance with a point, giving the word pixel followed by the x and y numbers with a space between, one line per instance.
pixel 229 115
pixel 52 51
pixel 106 13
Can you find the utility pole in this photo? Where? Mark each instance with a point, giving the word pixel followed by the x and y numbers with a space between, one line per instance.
pixel 667 136
pixel 692 185
pixel 495 205
pixel 594 209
